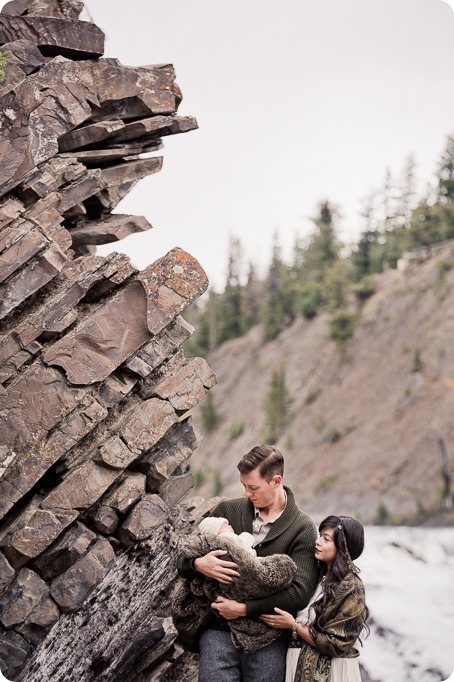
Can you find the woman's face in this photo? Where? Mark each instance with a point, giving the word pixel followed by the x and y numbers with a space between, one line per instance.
pixel 325 547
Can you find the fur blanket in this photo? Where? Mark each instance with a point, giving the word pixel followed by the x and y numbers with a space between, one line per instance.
pixel 259 577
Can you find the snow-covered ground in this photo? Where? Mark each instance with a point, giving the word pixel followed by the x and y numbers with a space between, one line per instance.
pixel 409 578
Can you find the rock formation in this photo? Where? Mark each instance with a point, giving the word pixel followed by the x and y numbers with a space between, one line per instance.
pixel 95 389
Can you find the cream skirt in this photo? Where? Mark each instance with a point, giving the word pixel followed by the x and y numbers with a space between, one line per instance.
pixel 342 669
pixel 345 670
pixel 292 660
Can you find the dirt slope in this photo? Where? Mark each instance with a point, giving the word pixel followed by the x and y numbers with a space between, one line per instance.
pixel 389 396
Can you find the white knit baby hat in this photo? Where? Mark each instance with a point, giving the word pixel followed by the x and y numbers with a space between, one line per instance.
pixel 212 524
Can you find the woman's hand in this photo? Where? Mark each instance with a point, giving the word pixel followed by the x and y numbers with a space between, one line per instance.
pixel 282 620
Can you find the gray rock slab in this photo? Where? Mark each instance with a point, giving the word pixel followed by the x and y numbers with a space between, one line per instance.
pixel 144 518
pixel 65 551
pixel 71 588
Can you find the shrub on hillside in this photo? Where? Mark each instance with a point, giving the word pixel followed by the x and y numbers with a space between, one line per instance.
pixel 210 416
pixel 342 325
pixel 236 430
pixel 364 289
pixel 332 435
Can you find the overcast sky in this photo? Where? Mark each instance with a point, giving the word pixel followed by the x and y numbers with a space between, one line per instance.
pixel 297 101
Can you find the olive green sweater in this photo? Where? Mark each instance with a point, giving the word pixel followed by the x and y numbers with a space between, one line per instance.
pixel 293 533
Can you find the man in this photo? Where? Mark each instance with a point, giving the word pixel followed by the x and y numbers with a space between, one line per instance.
pixel 270 513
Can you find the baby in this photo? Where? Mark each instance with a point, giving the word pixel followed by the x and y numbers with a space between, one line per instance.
pixel 217 525
pixel 259 577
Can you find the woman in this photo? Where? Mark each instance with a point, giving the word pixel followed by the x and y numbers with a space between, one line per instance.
pixel 324 635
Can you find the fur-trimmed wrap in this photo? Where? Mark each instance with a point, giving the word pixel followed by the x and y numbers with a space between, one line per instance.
pixel 259 577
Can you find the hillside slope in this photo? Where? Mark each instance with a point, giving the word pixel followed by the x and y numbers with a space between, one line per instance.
pixel 388 399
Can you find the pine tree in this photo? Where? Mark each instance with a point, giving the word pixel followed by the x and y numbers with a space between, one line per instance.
pixel 276 408
pixel 446 173
pixel 323 248
pixel 297 278
pixel 388 197
pixel 210 416
pixel 369 212
pixel 230 324
pixel 252 293
pixel 361 256
pixel 406 202
pixel 202 315
pixel 426 226
pixel 274 314
pixel 337 285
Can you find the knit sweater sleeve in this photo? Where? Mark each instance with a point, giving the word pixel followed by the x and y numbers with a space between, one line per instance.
pixel 300 591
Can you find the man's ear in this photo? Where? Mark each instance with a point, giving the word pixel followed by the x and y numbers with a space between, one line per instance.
pixel 277 480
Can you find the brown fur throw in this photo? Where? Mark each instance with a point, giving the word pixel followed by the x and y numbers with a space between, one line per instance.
pixel 259 577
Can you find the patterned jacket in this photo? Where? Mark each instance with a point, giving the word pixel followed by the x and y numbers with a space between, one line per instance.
pixel 336 635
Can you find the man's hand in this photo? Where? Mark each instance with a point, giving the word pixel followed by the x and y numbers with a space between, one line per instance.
pixel 229 608
pixel 211 566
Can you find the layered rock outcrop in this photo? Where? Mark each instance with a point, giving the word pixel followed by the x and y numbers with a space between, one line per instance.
pixel 95 390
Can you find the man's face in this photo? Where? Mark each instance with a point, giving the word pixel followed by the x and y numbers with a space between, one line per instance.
pixel 261 492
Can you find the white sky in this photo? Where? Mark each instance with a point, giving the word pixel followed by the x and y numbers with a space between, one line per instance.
pixel 296 100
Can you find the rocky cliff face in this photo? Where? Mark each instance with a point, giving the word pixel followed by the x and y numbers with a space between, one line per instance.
pixel 94 386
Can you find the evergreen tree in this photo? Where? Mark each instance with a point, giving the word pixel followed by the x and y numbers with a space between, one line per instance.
pixel 304 296
pixel 323 248
pixel 251 299
pixel 446 173
pixel 406 201
pixel 202 315
pixel 395 245
pixel 276 408
pixel 430 224
pixel 198 344
pixel 298 255
pixel 337 285
pixel 388 196
pixel 212 315
pixel 361 256
pixel 368 212
pixel 210 416
pixel 230 324
pixel 274 313
pixel 309 280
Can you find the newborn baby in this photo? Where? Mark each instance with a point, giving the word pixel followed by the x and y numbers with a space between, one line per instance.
pixel 216 525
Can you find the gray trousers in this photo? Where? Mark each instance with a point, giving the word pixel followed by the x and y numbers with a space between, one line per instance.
pixel 220 661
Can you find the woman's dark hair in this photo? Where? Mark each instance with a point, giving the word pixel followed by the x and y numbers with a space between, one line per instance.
pixel 348 537
pixel 266 458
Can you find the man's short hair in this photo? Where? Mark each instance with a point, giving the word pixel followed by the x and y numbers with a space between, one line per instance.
pixel 266 458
